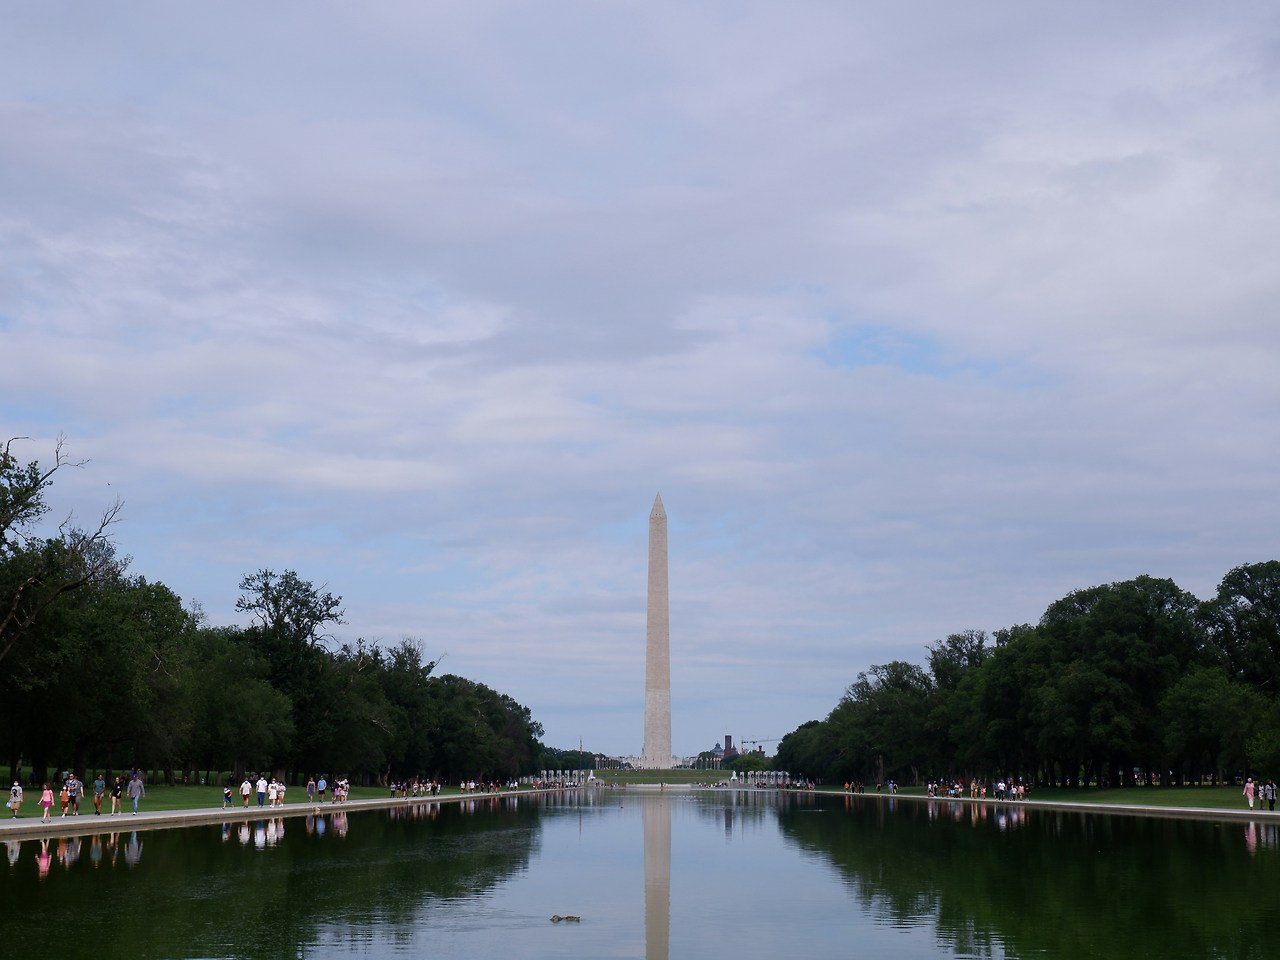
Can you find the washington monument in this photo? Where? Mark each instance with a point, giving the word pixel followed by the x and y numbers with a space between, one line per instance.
pixel 657 659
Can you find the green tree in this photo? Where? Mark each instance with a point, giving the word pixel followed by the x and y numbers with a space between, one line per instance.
pixel 239 721
pixel 1209 719
pixel 405 676
pixel 354 713
pixel 893 699
pixel 35 571
pixel 552 758
pixel 806 750
pixel 1001 690
pixel 123 653
pixel 1243 623
pixel 479 733
pixel 1114 651
pixel 289 617
pixel 952 709
pixel 747 762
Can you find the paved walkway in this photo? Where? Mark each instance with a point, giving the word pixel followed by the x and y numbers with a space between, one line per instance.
pixel 30 825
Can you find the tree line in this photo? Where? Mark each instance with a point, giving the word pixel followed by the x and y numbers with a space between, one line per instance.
pixel 100 667
pixel 1120 684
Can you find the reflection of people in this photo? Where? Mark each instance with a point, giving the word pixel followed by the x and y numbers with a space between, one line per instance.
pixel 69 851
pixel 133 846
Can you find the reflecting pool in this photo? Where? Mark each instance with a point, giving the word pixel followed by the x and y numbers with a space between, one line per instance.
pixel 683 874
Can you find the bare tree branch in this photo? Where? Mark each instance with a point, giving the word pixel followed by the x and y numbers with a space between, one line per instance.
pixel 45 570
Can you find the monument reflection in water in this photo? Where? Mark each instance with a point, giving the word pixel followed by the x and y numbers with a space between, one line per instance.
pixel 657 880
pixel 653 875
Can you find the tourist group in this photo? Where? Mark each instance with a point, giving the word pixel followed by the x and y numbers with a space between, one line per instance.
pixel 73 792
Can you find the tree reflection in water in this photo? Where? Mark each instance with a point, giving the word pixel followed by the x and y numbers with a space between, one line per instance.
pixel 252 887
pixel 1019 880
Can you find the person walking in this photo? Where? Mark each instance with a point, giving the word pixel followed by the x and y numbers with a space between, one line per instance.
pixel 117 789
pixel 1249 791
pixel 15 798
pixel 46 803
pixel 136 792
pixel 75 790
pixel 246 789
pixel 262 791
pixel 99 790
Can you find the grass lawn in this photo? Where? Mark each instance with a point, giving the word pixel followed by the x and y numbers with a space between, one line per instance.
pixel 1225 797
pixel 1217 798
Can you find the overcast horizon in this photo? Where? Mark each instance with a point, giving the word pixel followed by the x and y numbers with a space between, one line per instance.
pixel 918 317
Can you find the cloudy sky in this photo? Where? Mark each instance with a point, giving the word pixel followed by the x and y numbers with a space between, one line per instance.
pixel 918 316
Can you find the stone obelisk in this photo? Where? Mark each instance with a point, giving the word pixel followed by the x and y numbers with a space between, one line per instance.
pixel 657 659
